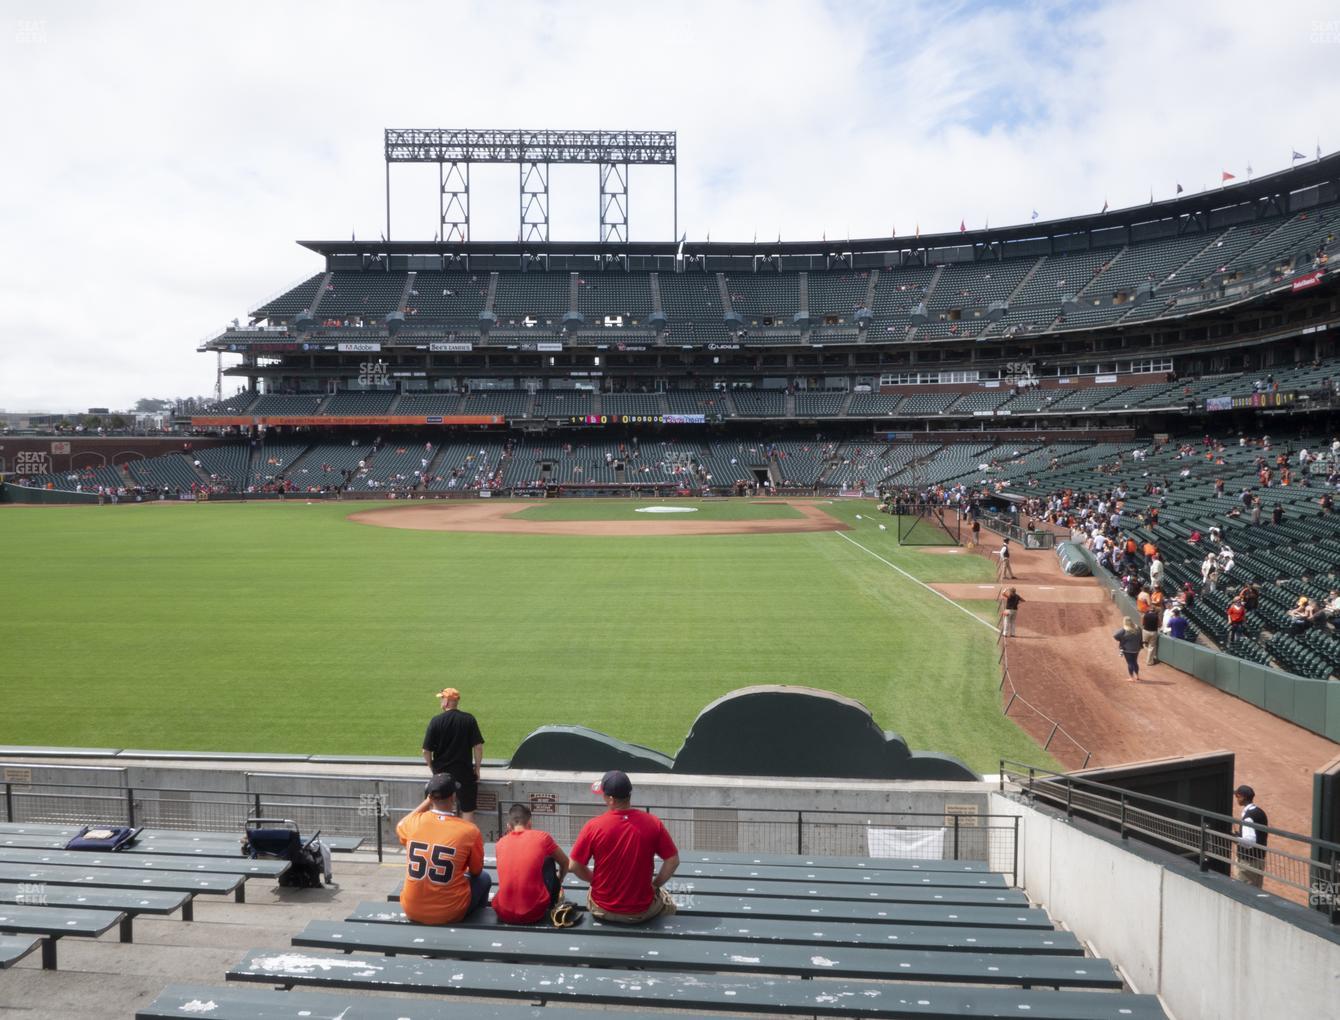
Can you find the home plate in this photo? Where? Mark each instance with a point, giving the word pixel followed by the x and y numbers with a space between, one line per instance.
pixel 666 510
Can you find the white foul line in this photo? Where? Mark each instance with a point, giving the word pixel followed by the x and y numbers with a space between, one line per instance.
pixel 900 570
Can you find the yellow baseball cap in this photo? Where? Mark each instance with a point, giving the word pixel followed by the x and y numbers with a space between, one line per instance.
pixel 448 692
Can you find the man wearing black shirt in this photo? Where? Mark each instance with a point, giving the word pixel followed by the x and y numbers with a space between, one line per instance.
pixel 1251 840
pixel 454 745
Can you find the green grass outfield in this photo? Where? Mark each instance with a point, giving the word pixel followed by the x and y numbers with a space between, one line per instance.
pixel 283 627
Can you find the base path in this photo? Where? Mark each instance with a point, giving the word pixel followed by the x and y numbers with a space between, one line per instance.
pixel 497 519
pixel 1065 662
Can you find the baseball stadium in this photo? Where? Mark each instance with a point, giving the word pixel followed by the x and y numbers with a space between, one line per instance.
pixel 951 598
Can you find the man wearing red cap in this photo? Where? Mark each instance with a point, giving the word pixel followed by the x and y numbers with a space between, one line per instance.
pixel 454 745
pixel 624 844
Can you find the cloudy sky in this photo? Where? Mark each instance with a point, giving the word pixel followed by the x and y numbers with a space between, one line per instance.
pixel 160 159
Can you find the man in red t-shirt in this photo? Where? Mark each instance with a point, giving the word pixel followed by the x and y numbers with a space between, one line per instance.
pixel 530 871
pixel 445 878
pixel 624 844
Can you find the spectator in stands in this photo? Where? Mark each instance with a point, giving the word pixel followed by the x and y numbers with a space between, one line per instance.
pixel 1330 611
pixel 1128 644
pixel 1176 625
pixel 1237 616
pixel 1012 599
pixel 1302 615
pixel 530 870
pixel 445 878
pixel 1251 840
pixel 624 844
pixel 1156 573
pixel 1149 634
pixel 453 745
pixel 1277 514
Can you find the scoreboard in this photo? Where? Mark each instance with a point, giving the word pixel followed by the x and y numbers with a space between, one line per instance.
pixel 638 419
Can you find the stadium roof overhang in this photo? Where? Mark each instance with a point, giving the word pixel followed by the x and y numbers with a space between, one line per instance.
pixel 1272 194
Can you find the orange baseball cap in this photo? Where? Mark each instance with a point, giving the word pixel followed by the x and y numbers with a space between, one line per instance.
pixel 448 692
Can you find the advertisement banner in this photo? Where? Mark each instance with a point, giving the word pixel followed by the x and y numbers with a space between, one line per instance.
pixel 336 421
pixel 359 347
pixel 548 345
pixel 1309 280
pixel 452 345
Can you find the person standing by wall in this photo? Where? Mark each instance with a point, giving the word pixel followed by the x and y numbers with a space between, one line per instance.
pixel 1149 633
pixel 452 744
pixel 1251 840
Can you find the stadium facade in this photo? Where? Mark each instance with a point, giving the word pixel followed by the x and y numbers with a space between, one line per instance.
pixel 1119 319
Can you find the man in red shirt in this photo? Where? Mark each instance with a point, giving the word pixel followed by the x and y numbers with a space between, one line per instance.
pixel 624 844
pixel 530 871
pixel 444 859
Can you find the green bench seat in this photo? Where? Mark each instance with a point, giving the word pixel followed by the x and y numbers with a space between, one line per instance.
pixel 844 876
pixel 847 910
pixel 54 923
pixel 808 861
pixel 548 946
pixel 240 1002
pixel 132 902
pixel 632 988
pixel 124 878
pixel 14 948
pixel 841 876
pixel 970 896
pixel 46 836
pixel 736 929
pixel 145 862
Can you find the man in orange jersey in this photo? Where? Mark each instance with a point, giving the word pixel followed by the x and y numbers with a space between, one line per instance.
pixel 444 859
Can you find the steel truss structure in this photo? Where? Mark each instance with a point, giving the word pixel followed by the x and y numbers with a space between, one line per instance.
pixel 454 150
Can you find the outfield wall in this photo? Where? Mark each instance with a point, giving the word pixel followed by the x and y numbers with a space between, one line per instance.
pixel 1207 945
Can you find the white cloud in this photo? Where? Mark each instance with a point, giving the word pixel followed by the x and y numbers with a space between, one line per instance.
pixel 162 158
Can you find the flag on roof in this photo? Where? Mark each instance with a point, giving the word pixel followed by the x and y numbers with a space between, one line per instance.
pixel 1226 176
pixel 1104 205
pixel 1296 156
pixel 1179 189
pixel 962 226
pixel 918 234
pixel 1319 150
pixel 1035 214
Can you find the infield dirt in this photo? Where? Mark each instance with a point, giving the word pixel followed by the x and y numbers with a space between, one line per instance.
pixel 497 518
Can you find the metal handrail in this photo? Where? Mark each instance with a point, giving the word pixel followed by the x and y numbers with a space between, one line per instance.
pixel 1203 836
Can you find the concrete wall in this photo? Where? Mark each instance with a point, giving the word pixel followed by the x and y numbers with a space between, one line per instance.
pixel 1197 941
pixel 703 812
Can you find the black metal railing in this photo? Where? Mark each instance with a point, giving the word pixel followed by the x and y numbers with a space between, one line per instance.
pixel 369 807
pixel 1302 868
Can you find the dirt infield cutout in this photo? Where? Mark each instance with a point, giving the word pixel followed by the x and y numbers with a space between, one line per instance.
pixel 496 519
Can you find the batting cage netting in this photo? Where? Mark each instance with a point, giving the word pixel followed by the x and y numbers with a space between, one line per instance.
pixel 928 524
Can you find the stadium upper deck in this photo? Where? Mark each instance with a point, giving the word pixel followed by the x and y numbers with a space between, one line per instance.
pixel 1173 287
